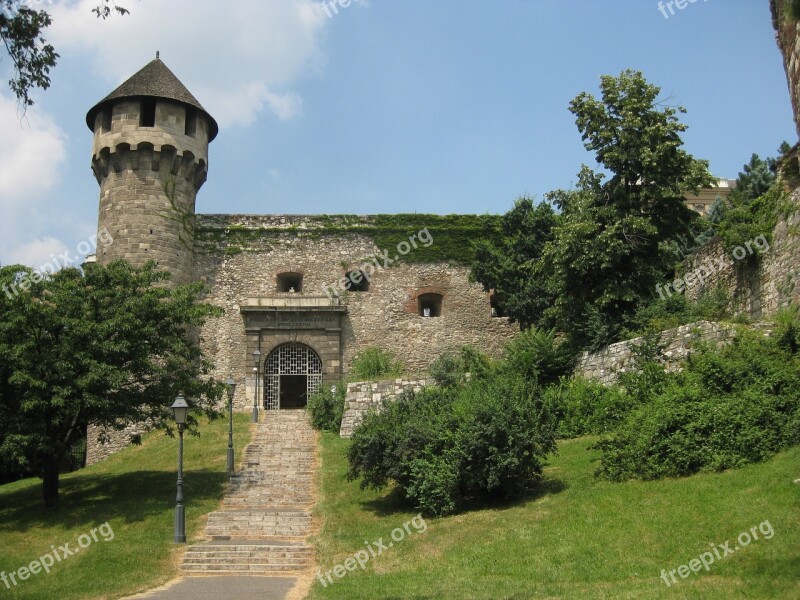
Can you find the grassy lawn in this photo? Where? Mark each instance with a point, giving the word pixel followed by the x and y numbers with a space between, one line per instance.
pixel 134 491
pixel 577 538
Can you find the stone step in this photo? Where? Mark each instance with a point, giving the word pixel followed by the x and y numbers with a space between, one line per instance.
pixel 264 521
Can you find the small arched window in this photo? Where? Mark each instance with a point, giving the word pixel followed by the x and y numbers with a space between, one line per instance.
pixel 290 282
pixel 430 305
pixel 356 281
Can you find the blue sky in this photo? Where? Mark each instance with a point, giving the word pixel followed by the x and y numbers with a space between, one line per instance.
pixel 439 106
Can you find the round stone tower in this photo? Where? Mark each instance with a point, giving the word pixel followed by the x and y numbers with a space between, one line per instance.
pixel 150 156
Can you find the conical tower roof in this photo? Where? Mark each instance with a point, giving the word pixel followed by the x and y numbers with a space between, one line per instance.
pixel 154 80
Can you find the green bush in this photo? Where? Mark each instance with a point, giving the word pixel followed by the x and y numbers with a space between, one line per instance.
pixel 450 369
pixel 729 407
pixel 374 363
pixel 539 356
pixel 448 447
pixel 586 407
pixel 327 407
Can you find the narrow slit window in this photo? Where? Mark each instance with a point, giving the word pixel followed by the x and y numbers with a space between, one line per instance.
pixel 105 125
pixel 191 122
pixel 147 117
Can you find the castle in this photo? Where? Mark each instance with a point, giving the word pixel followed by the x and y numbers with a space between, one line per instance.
pixel 306 292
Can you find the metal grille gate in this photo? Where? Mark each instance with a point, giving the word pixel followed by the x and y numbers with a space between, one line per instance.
pixel 290 359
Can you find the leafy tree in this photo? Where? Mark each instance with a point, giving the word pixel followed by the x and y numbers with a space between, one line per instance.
pixel 508 268
pixel 22 33
pixel 608 251
pixel 111 346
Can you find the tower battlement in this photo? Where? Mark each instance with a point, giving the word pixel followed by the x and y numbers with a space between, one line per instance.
pixel 150 158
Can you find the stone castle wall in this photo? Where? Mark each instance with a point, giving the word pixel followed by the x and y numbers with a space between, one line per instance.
pixel 385 317
pixel 758 288
pixel 788 37
pixel 607 364
pixel 365 396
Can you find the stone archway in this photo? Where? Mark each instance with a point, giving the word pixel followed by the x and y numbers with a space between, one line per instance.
pixel 292 372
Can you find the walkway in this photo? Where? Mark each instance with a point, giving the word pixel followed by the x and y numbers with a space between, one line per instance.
pixel 257 543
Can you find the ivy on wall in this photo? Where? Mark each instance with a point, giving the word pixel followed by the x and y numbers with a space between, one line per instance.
pixel 454 236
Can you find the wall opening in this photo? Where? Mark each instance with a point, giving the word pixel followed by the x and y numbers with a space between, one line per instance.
pixel 105 124
pixel 430 305
pixel 497 307
pixel 190 127
pixel 292 373
pixel 290 282
pixel 357 281
pixel 147 113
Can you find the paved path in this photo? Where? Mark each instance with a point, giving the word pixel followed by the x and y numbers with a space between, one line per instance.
pixel 257 543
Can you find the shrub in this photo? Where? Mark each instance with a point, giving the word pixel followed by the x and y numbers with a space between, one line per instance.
pixel 729 407
pixel 450 369
pixel 374 363
pixel 586 407
pixel 538 356
pixel 447 447
pixel 327 408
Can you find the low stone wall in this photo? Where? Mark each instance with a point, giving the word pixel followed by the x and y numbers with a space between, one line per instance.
pixel 606 365
pixel 115 441
pixel 364 396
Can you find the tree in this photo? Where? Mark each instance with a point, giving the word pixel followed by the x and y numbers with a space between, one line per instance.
pixel 111 347
pixel 507 267
pixel 606 251
pixel 21 29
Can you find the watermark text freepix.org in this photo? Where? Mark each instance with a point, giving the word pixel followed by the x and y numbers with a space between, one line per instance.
pixel 56 555
pixel 374 549
pixel 382 261
pixel 720 551
pixel 711 266
pixel 667 7
pixel 58 262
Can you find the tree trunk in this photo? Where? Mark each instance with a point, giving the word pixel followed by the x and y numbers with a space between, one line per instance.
pixel 50 481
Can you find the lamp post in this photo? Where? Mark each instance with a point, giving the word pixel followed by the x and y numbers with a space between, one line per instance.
pixel 180 410
pixel 230 384
pixel 257 360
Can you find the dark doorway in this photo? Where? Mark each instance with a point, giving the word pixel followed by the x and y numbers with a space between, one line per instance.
pixel 294 391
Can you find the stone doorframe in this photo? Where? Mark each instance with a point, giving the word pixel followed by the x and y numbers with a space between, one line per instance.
pixel 310 320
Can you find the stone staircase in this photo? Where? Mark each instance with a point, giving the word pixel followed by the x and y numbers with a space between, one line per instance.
pixel 266 514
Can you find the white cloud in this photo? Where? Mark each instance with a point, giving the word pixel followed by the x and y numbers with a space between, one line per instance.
pixel 31 157
pixel 38 253
pixel 31 154
pixel 236 58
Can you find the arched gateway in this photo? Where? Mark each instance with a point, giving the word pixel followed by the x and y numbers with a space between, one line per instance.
pixel 292 373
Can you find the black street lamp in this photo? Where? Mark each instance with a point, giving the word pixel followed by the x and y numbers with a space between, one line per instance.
pixel 180 410
pixel 230 384
pixel 257 361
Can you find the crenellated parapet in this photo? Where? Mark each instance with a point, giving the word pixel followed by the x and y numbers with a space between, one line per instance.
pixel 166 160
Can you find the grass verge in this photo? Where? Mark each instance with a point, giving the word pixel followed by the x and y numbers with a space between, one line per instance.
pixel 578 537
pixel 134 491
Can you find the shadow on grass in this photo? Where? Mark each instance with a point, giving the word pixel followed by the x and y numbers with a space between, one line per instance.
pixel 394 502
pixel 93 499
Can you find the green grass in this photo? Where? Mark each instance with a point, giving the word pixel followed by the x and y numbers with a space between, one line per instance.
pixel 579 537
pixel 134 491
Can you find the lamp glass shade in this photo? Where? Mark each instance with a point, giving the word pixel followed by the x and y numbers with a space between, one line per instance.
pixel 257 357
pixel 180 410
pixel 231 385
